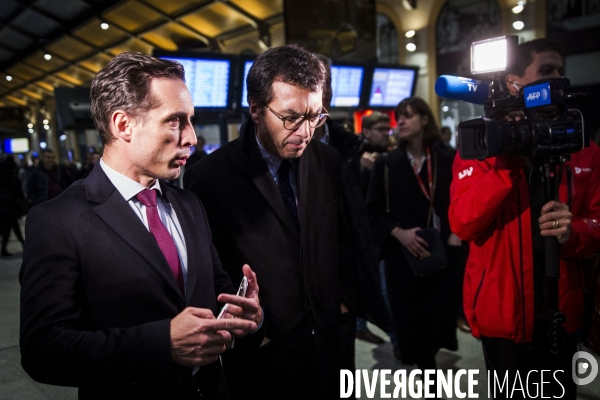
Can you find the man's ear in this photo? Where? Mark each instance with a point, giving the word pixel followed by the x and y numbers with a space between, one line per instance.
pixel 254 110
pixel 512 84
pixel 121 125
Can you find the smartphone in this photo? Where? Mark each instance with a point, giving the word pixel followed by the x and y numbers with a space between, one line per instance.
pixel 241 292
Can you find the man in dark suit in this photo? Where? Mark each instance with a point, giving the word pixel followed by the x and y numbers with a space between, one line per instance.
pixel 119 281
pixel 273 196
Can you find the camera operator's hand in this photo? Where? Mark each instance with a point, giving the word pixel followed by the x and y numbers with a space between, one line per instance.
pixel 556 221
pixel 413 242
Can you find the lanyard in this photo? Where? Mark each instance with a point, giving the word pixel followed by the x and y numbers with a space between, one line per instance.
pixel 429 195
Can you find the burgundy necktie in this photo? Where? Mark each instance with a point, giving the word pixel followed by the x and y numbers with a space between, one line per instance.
pixel 161 234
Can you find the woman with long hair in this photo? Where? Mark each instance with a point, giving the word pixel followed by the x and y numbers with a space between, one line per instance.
pixel 409 191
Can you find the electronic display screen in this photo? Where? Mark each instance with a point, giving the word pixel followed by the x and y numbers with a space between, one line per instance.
pixel 19 145
pixel 244 100
pixel 346 84
pixel 207 79
pixel 390 86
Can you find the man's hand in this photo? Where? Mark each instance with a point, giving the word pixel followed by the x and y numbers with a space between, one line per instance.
pixel 556 221
pixel 367 160
pixel 245 308
pixel 197 337
pixel 416 245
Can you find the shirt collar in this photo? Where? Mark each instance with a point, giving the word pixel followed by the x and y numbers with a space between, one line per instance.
pixel 125 185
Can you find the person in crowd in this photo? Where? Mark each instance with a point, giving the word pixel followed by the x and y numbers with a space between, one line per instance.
pixel 376 131
pixel 11 198
pixel 199 153
pixel 371 303
pixel 498 206
pixel 47 180
pixel 273 198
pixel 446 136
pixel 91 160
pixel 417 189
pixel 120 279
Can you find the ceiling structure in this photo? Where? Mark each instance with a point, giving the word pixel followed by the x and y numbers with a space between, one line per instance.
pixel 63 43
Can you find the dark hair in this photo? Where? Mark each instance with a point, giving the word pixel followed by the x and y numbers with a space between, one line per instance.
pixel 369 121
pixel 125 84
pixel 290 64
pixel 44 151
pixel 431 133
pixel 526 50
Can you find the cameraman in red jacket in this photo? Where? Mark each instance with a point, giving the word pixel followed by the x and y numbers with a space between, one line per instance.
pixel 497 205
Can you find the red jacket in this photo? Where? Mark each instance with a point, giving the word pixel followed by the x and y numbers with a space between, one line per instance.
pixel 490 208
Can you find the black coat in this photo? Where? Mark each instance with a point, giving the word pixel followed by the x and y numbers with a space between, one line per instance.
pixel 302 283
pixel 98 296
pixel 370 302
pixel 424 310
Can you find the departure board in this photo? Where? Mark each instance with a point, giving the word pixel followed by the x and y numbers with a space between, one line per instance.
pixel 207 79
pixel 346 84
pixel 390 86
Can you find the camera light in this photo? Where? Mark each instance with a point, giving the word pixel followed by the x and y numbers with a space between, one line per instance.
pixel 47 56
pixel 31 130
pixel 104 26
pixel 8 78
pixel 30 125
pixel 43 145
pixel 517 9
pixel 47 127
pixel 518 25
pixel 63 138
pixel 445 109
pixel 411 47
pixel 410 33
pixel 493 55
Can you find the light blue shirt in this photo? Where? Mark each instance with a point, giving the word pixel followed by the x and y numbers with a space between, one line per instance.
pixel 129 190
pixel 273 163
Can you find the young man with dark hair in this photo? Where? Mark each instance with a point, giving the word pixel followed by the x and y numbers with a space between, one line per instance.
pixel 120 280
pixel 274 198
pixel 497 204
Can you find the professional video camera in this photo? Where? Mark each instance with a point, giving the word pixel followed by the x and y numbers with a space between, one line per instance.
pixel 540 121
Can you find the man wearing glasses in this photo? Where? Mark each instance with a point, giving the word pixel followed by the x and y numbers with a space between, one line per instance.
pixel 273 200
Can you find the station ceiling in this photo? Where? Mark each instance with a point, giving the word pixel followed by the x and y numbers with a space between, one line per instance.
pixel 52 43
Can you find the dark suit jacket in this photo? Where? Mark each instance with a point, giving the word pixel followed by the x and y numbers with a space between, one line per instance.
pixel 302 284
pixel 97 295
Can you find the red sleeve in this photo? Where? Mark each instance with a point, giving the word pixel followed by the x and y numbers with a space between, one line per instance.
pixel 585 228
pixel 478 193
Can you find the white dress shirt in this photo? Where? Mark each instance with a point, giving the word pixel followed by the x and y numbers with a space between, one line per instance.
pixel 129 190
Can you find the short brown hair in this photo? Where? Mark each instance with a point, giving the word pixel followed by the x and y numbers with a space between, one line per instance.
pixel 125 84
pixel 369 121
pixel 289 64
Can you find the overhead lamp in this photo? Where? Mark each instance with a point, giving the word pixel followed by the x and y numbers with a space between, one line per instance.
pixel 31 130
pixel 8 78
pixel 518 25
pixel 445 109
pixel 410 33
pixel 47 127
pixel 45 122
pixel 104 26
pixel 30 125
pixel 47 56
pixel 519 7
pixel 63 138
pixel 411 47
pixel 43 145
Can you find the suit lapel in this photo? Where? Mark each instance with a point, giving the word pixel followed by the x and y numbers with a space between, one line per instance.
pixel 255 167
pixel 117 213
pixel 185 215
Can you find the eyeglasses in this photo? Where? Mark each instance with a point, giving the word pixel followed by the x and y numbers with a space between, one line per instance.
pixel 294 122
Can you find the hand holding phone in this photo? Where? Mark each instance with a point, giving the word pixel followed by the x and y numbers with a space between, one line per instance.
pixel 241 292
